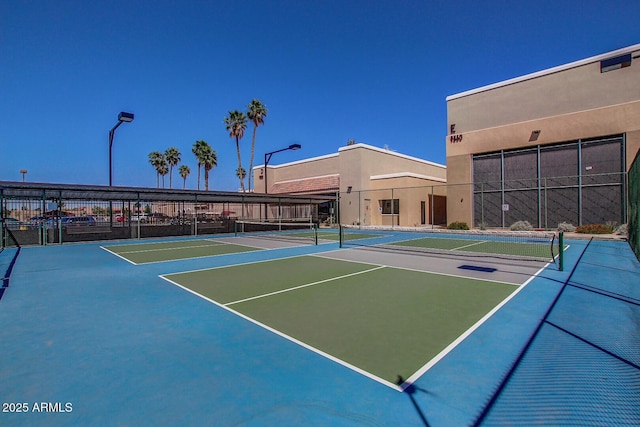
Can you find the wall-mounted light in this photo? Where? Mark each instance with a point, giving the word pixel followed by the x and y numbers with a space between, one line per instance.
pixel 534 136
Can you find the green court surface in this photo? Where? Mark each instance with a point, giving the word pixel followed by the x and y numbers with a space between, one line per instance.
pixel 380 320
pixel 498 247
pixel 174 250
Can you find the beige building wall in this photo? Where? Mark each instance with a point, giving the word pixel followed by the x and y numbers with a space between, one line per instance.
pixel 365 168
pixel 459 189
pixel 414 193
pixel 366 176
pixel 415 196
pixel 571 102
pixel 308 168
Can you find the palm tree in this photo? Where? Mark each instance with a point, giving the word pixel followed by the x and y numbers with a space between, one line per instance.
pixel 156 159
pixel 197 150
pixel 184 173
pixel 236 125
pixel 241 173
pixel 172 155
pixel 163 169
pixel 209 161
pixel 257 112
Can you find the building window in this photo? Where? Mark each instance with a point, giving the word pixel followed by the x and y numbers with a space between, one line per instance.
pixel 615 63
pixel 390 206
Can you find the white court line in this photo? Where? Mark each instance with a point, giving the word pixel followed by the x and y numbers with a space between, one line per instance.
pixel 304 286
pixel 235 265
pixel 247 245
pixel 466 246
pixel 322 255
pixel 221 243
pixel 118 255
pixel 292 339
pixel 173 248
pixel 409 380
pixel 468 332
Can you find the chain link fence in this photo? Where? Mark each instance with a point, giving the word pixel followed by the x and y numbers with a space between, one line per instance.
pixel 634 206
pixel 53 214
pixel 547 202
pixel 543 202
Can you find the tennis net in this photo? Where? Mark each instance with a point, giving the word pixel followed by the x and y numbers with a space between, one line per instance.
pixel 518 245
pixel 299 232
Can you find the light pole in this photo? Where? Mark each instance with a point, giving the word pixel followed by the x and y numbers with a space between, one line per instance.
pixel 267 158
pixel 24 173
pixel 122 117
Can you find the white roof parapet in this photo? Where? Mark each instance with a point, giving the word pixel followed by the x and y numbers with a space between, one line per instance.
pixel 548 71
pixel 407 175
pixel 351 147
pixel 311 159
pixel 393 153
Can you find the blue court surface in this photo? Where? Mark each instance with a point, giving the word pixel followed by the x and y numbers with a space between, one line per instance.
pixel 88 339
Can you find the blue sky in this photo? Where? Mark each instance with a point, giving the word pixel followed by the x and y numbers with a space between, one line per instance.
pixel 328 71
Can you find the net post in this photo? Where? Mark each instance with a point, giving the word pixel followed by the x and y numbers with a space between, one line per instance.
pixel 340 235
pixel 235 228
pixel 315 233
pixel 561 251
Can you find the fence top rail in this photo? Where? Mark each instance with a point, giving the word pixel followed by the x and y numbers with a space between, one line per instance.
pixel 11 189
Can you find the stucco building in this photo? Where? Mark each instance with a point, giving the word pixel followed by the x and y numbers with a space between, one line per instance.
pixel 548 147
pixel 376 186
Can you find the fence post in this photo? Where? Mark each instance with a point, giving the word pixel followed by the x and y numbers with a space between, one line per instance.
pixel 2 212
pixel 59 221
pixel 561 251
pixel 44 234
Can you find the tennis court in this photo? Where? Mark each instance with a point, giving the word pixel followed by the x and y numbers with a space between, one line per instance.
pixel 541 246
pixel 417 306
pixel 377 319
pixel 271 331
pixel 172 250
pixel 302 233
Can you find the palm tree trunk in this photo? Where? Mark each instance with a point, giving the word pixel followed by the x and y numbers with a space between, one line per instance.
pixel 198 176
pixel 239 163
pixel 253 150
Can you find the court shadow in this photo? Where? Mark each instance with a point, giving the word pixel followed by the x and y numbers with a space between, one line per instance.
pixel 410 389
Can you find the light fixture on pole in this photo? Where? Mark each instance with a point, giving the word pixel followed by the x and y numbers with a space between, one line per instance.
pixel 122 117
pixel 267 158
pixel 24 173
